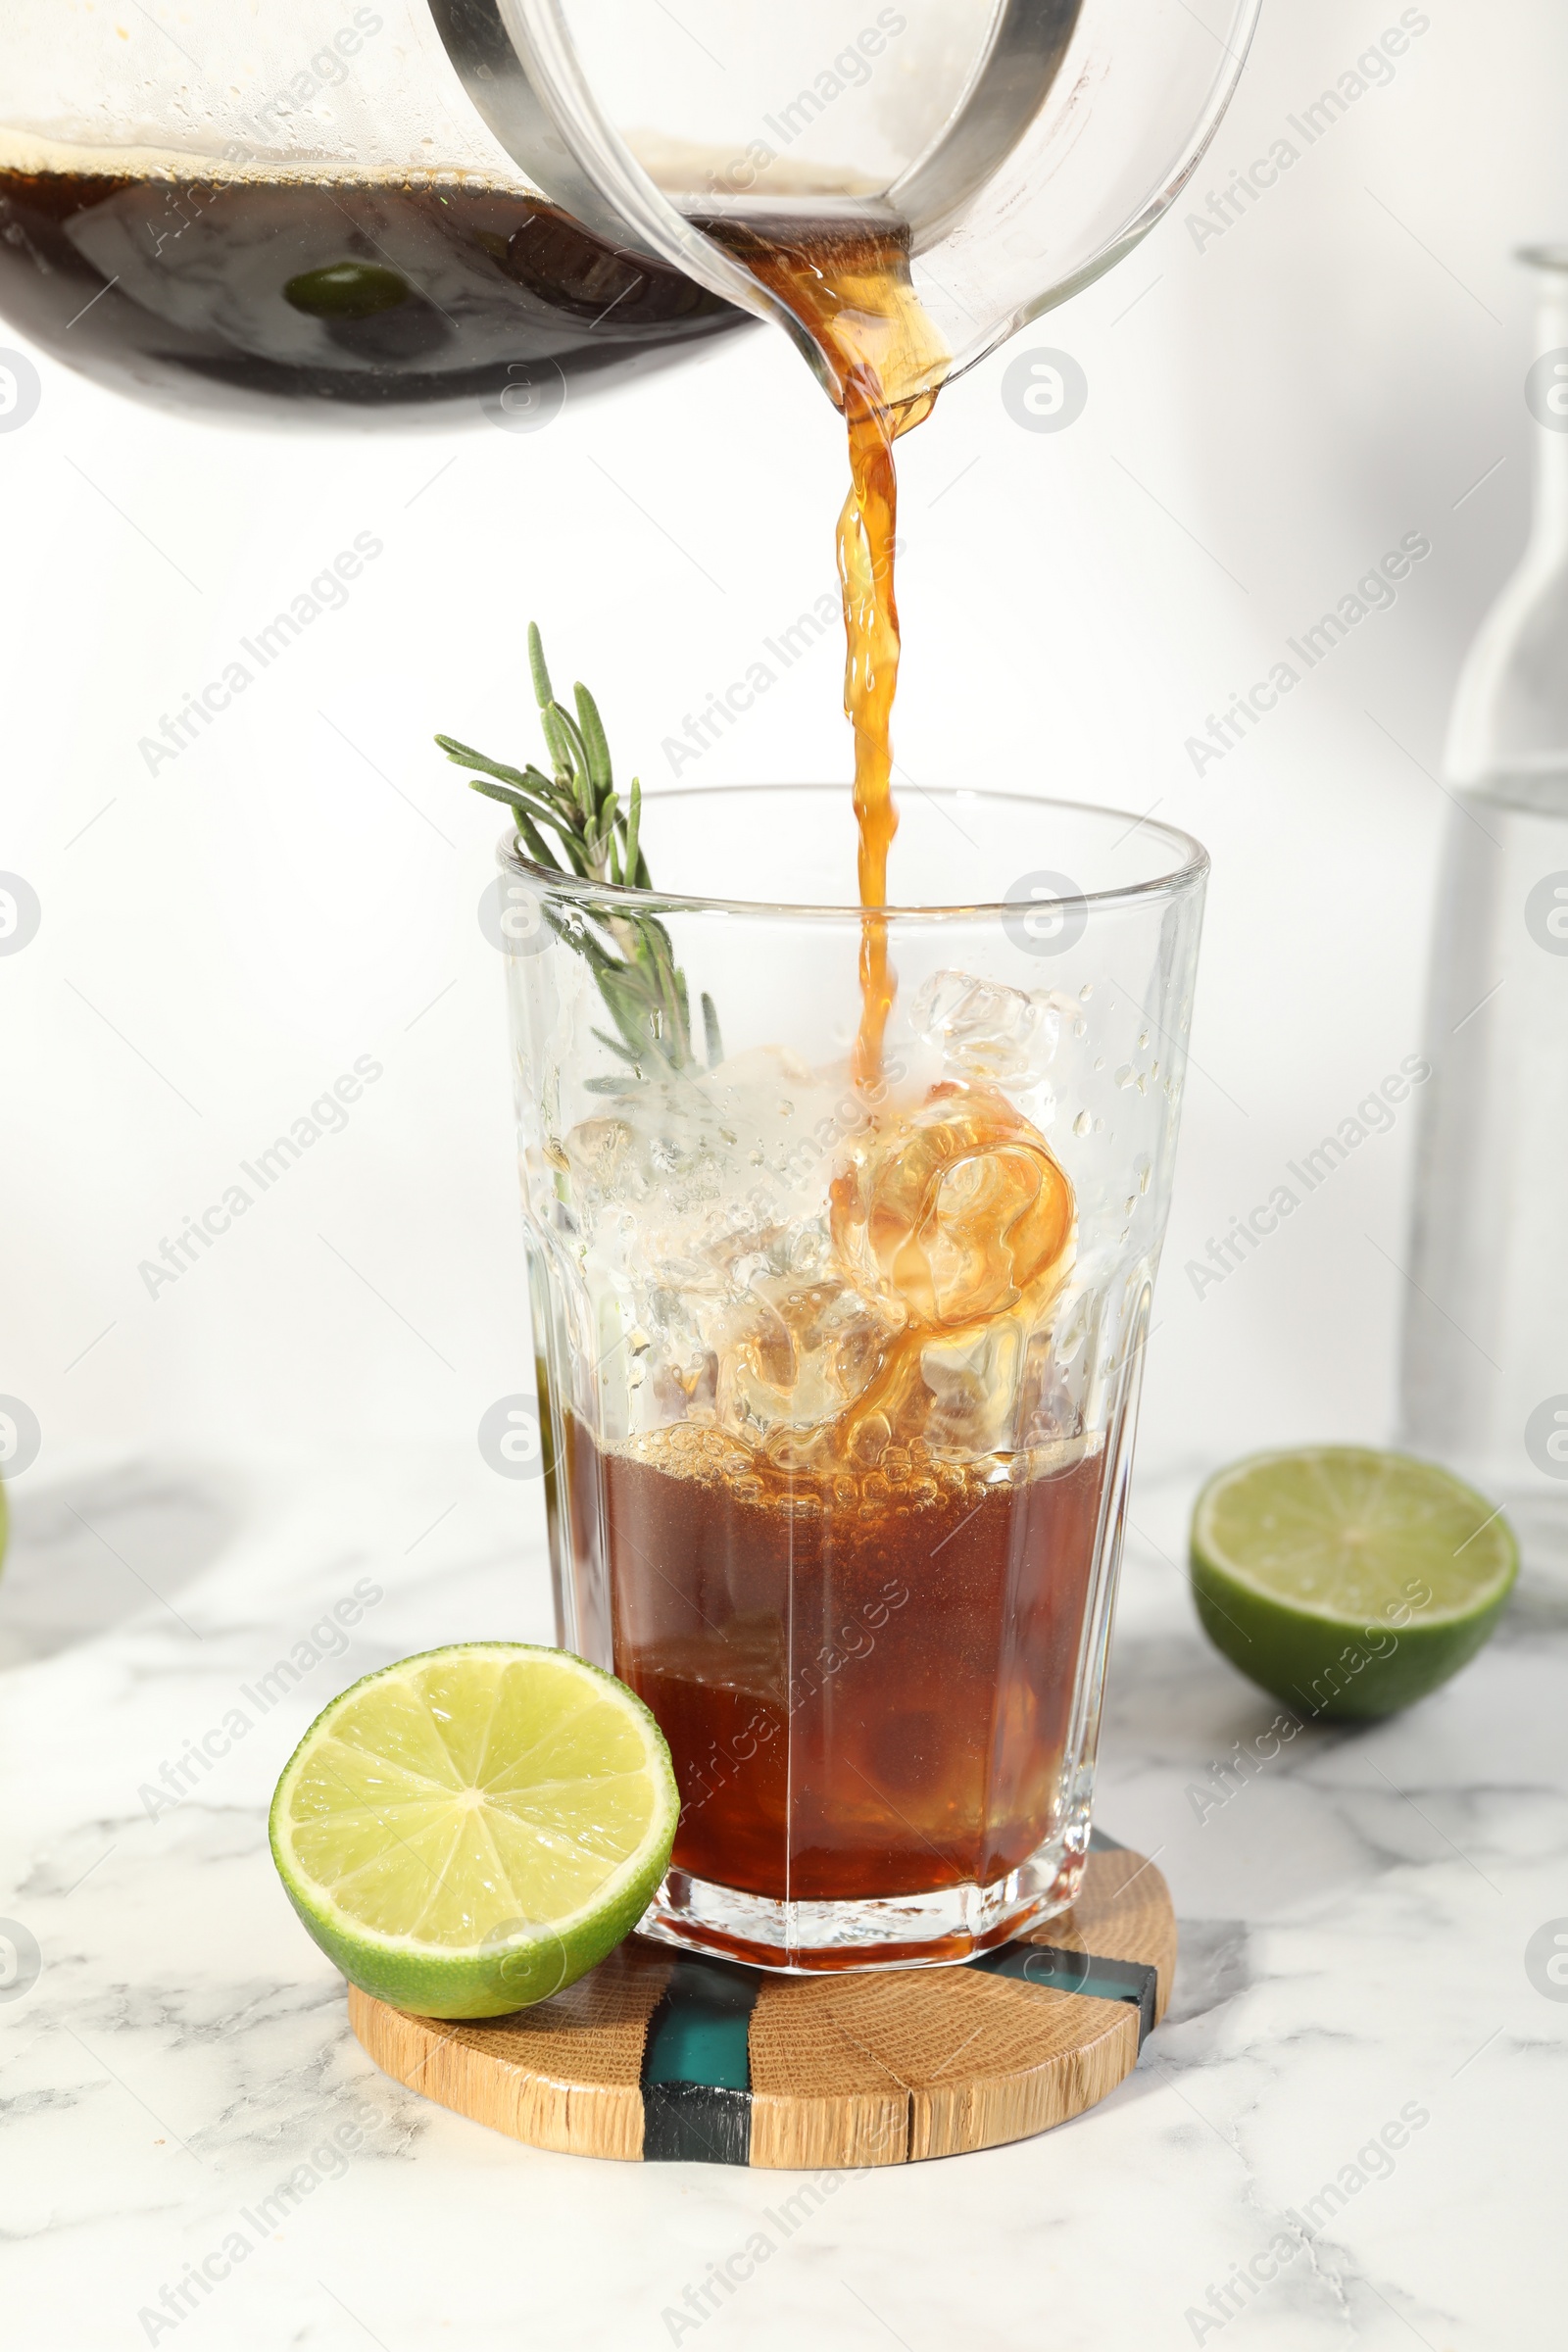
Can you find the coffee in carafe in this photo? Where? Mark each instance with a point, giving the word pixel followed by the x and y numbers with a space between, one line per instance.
pixel 367 294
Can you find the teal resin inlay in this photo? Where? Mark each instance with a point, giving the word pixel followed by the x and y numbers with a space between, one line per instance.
pixel 700 2030
pixel 697 2070
pixel 696 2067
pixel 1101 1979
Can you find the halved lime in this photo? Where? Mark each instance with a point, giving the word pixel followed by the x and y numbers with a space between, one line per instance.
pixel 471 1830
pixel 1347 1581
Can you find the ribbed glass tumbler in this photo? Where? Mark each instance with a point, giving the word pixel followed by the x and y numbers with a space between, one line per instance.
pixel 838 1336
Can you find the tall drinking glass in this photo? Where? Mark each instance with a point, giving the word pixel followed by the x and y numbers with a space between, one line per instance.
pixel 837 1382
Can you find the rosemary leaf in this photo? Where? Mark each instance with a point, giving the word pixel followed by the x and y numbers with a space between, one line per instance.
pixel 561 752
pixel 634 858
pixel 510 798
pixel 633 961
pixel 543 690
pixel 596 750
pixel 527 779
pixel 615 1046
pixel 535 845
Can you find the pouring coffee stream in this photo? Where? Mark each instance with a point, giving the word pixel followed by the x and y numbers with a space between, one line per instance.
pixel 951 1220
pixel 965 1185
pixel 846 282
pixel 899 193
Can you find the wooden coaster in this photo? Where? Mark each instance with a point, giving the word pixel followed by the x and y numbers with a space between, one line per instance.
pixel 659 2054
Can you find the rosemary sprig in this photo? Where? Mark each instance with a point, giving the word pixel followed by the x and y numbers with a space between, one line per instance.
pixel 633 963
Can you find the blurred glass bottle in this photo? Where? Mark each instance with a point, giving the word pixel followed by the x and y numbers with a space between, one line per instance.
pixel 1484 1370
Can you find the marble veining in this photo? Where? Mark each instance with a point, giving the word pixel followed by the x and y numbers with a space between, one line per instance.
pixel 1345 2134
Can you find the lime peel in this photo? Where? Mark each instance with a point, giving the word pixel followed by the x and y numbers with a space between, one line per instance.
pixel 473 1829
pixel 1348 1581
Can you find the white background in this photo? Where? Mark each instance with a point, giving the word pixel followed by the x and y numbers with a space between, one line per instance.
pixel 1267 416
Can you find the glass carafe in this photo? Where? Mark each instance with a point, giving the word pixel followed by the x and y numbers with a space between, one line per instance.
pixel 374 204
pixel 1008 153
pixel 251 207
pixel 1484 1372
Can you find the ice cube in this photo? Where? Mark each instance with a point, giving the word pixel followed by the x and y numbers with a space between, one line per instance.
pixel 974 1387
pixel 954 1212
pixel 984 1029
pixel 702 1205
pixel 792 1356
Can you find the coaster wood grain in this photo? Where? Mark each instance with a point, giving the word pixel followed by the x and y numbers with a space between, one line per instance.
pixel 661 2055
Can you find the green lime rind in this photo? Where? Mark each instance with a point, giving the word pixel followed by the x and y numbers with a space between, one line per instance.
pixel 1348 1581
pixel 473 1829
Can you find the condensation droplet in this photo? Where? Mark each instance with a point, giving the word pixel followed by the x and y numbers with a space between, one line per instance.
pixel 1082 1123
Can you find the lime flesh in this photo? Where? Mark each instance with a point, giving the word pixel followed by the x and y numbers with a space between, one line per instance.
pixel 473 1829
pixel 1348 1581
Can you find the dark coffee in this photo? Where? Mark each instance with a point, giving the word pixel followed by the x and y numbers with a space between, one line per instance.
pixel 370 294
pixel 866 1679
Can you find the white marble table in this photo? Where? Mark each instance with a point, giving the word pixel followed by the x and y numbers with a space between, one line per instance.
pixel 1348 2132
